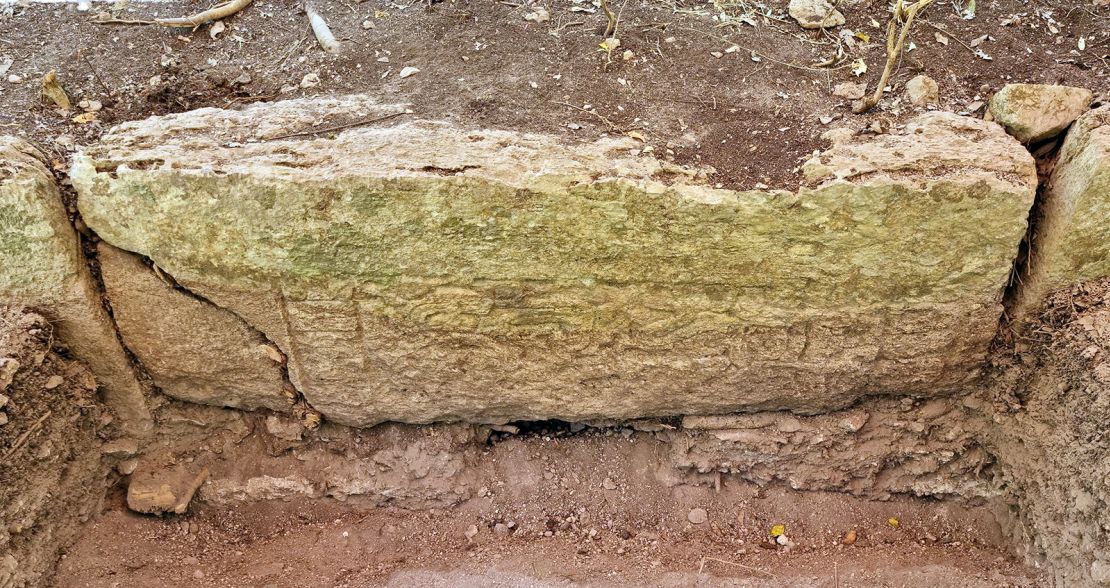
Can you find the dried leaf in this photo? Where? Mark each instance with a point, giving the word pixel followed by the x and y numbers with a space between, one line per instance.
pixel 941 39
pixel 778 530
pixel 636 135
pixel 84 118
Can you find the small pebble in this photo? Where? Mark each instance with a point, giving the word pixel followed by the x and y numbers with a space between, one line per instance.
pixel 697 516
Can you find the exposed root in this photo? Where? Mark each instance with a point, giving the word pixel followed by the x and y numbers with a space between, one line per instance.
pixel 216 13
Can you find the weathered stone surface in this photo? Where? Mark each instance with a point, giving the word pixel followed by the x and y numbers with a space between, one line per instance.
pixel 1073 228
pixel 815 14
pixel 43 268
pixel 1035 112
pixel 878 449
pixel 157 489
pixel 423 272
pixel 193 350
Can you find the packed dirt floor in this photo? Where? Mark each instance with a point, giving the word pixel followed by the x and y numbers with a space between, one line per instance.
pixel 587 510
pixel 705 83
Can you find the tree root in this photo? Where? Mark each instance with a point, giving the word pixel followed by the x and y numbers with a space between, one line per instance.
pixel 216 13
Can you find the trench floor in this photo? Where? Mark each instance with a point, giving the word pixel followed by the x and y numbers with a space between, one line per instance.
pixel 584 511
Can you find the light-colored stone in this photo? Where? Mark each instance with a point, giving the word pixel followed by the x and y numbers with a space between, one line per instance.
pixel 850 90
pixel 922 90
pixel 1034 112
pixel 8 368
pixel 284 429
pixel 168 489
pixel 121 448
pixel 1073 231
pixel 44 269
pixel 424 272
pixel 192 349
pixel 815 14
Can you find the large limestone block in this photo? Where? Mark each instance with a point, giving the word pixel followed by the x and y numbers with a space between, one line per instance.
pixel 423 272
pixel 42 267
pixel 1072 240
pixel 192 349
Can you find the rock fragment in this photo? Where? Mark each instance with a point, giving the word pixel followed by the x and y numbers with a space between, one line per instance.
pixel 159 490
pixel 697 516
pixel 1035 112
pixel 922 91
pixel 8 368
pixel 815 14
pixel 849 90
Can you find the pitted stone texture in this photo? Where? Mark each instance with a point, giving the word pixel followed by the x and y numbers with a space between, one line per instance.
pixel 43 269
pixel 193 350
pixel 1073 230
pixel 877 450
pixel 1035 112
pixel 423 272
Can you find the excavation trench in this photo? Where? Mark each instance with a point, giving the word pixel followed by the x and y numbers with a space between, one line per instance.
pixel 501 361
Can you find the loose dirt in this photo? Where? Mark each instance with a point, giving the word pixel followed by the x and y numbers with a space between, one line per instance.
pixel 700 86
pixel 598 508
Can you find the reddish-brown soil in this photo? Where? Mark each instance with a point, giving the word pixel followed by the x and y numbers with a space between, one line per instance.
pixel 482 64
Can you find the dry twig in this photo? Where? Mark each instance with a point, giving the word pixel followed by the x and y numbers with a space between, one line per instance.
pixel 216 13
pixel 896 33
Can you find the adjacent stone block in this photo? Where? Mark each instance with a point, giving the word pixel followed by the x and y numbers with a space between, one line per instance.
pixel 424 272
pixel 43 268
pixel 1072 240
pixel 193 350
pixel 1035 112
